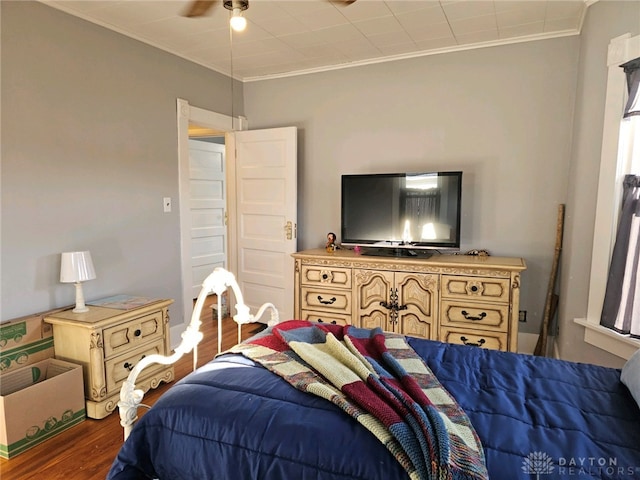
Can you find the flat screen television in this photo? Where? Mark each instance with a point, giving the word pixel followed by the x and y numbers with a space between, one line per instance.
pixel 402 213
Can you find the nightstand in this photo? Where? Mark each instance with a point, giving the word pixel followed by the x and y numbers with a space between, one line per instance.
pixel 108 342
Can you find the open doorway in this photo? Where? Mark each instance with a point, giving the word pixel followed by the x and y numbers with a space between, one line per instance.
pixel 202 198
pixel 207 207
pixel 260 175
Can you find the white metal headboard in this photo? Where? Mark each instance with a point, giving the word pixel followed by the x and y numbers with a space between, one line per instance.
pixel 217 282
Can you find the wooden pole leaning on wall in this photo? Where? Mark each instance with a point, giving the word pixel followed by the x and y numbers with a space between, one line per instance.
pixel 551 303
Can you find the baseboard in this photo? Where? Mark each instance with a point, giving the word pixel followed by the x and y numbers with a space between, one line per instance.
pixel 527 342
pixel 176 334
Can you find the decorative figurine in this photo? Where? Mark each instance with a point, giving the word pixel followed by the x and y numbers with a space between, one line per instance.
pixel 331 242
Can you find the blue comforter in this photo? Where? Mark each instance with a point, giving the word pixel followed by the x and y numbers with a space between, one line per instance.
pixel 536 417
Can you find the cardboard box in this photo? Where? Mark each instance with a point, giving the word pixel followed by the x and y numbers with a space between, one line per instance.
pixel 26 355
pixel 38 402
pixel 25 340
pixel 20 331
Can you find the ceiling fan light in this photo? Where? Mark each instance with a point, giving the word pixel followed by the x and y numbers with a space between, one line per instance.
pixel 237 21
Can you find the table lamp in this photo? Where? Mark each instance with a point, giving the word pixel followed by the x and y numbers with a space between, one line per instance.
pixel 77 267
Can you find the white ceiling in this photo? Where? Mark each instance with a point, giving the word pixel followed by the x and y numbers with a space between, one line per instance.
pixel 287 37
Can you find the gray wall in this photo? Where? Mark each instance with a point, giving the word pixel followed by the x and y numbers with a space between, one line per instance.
pixel 605 20
pixel 89 149
pixel 503 115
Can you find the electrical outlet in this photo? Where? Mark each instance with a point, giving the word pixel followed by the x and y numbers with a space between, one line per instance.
pixel 522 316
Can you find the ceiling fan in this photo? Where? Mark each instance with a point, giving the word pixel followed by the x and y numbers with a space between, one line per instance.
pixel 199 8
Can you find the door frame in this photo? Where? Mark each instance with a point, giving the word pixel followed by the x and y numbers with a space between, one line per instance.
pixel 225 124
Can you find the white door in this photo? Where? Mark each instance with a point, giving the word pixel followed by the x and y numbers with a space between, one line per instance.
pixel 263 219
pixel 207 205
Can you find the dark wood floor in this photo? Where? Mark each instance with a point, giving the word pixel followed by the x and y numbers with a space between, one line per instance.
pixel 86 451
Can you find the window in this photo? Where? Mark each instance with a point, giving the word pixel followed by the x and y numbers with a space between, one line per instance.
pixel 630 144
pixel 620 140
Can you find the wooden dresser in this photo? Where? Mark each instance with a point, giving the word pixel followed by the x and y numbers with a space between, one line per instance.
pixel 108 342
pixel 472 300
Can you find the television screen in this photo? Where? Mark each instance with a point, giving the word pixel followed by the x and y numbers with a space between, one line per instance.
pixel 402 210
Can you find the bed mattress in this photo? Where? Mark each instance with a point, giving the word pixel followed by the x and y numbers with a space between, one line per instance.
pixel 536 417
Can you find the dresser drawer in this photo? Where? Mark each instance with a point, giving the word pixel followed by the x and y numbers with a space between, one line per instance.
pixel 492 340
pixel 125 336
pixel 475 315
pixel 117 369
pixel 480 288
pixel 326 300
pixel 323 317
pixel 326 276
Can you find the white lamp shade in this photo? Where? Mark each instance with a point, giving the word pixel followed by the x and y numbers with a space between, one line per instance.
pixel 76 267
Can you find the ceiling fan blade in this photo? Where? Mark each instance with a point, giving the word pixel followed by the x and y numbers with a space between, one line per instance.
pixel 342 3
pixel 199 8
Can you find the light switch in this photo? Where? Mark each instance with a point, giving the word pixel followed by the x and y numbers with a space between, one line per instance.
pixel 166 201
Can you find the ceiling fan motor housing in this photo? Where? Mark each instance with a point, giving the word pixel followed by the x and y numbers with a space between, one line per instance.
pixel 233 4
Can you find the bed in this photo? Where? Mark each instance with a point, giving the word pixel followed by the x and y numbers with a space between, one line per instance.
pixel 235 419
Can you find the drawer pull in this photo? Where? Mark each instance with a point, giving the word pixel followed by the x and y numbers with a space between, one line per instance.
pixel 325 276
pixel 333 322
pixel 393 305
pixel 466 315
pixel 326 302
pixel 466 341
pixel 474 288
pixel 137 333
pixel 129 366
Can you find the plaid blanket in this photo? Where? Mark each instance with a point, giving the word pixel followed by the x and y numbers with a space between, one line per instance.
pixel 379 380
